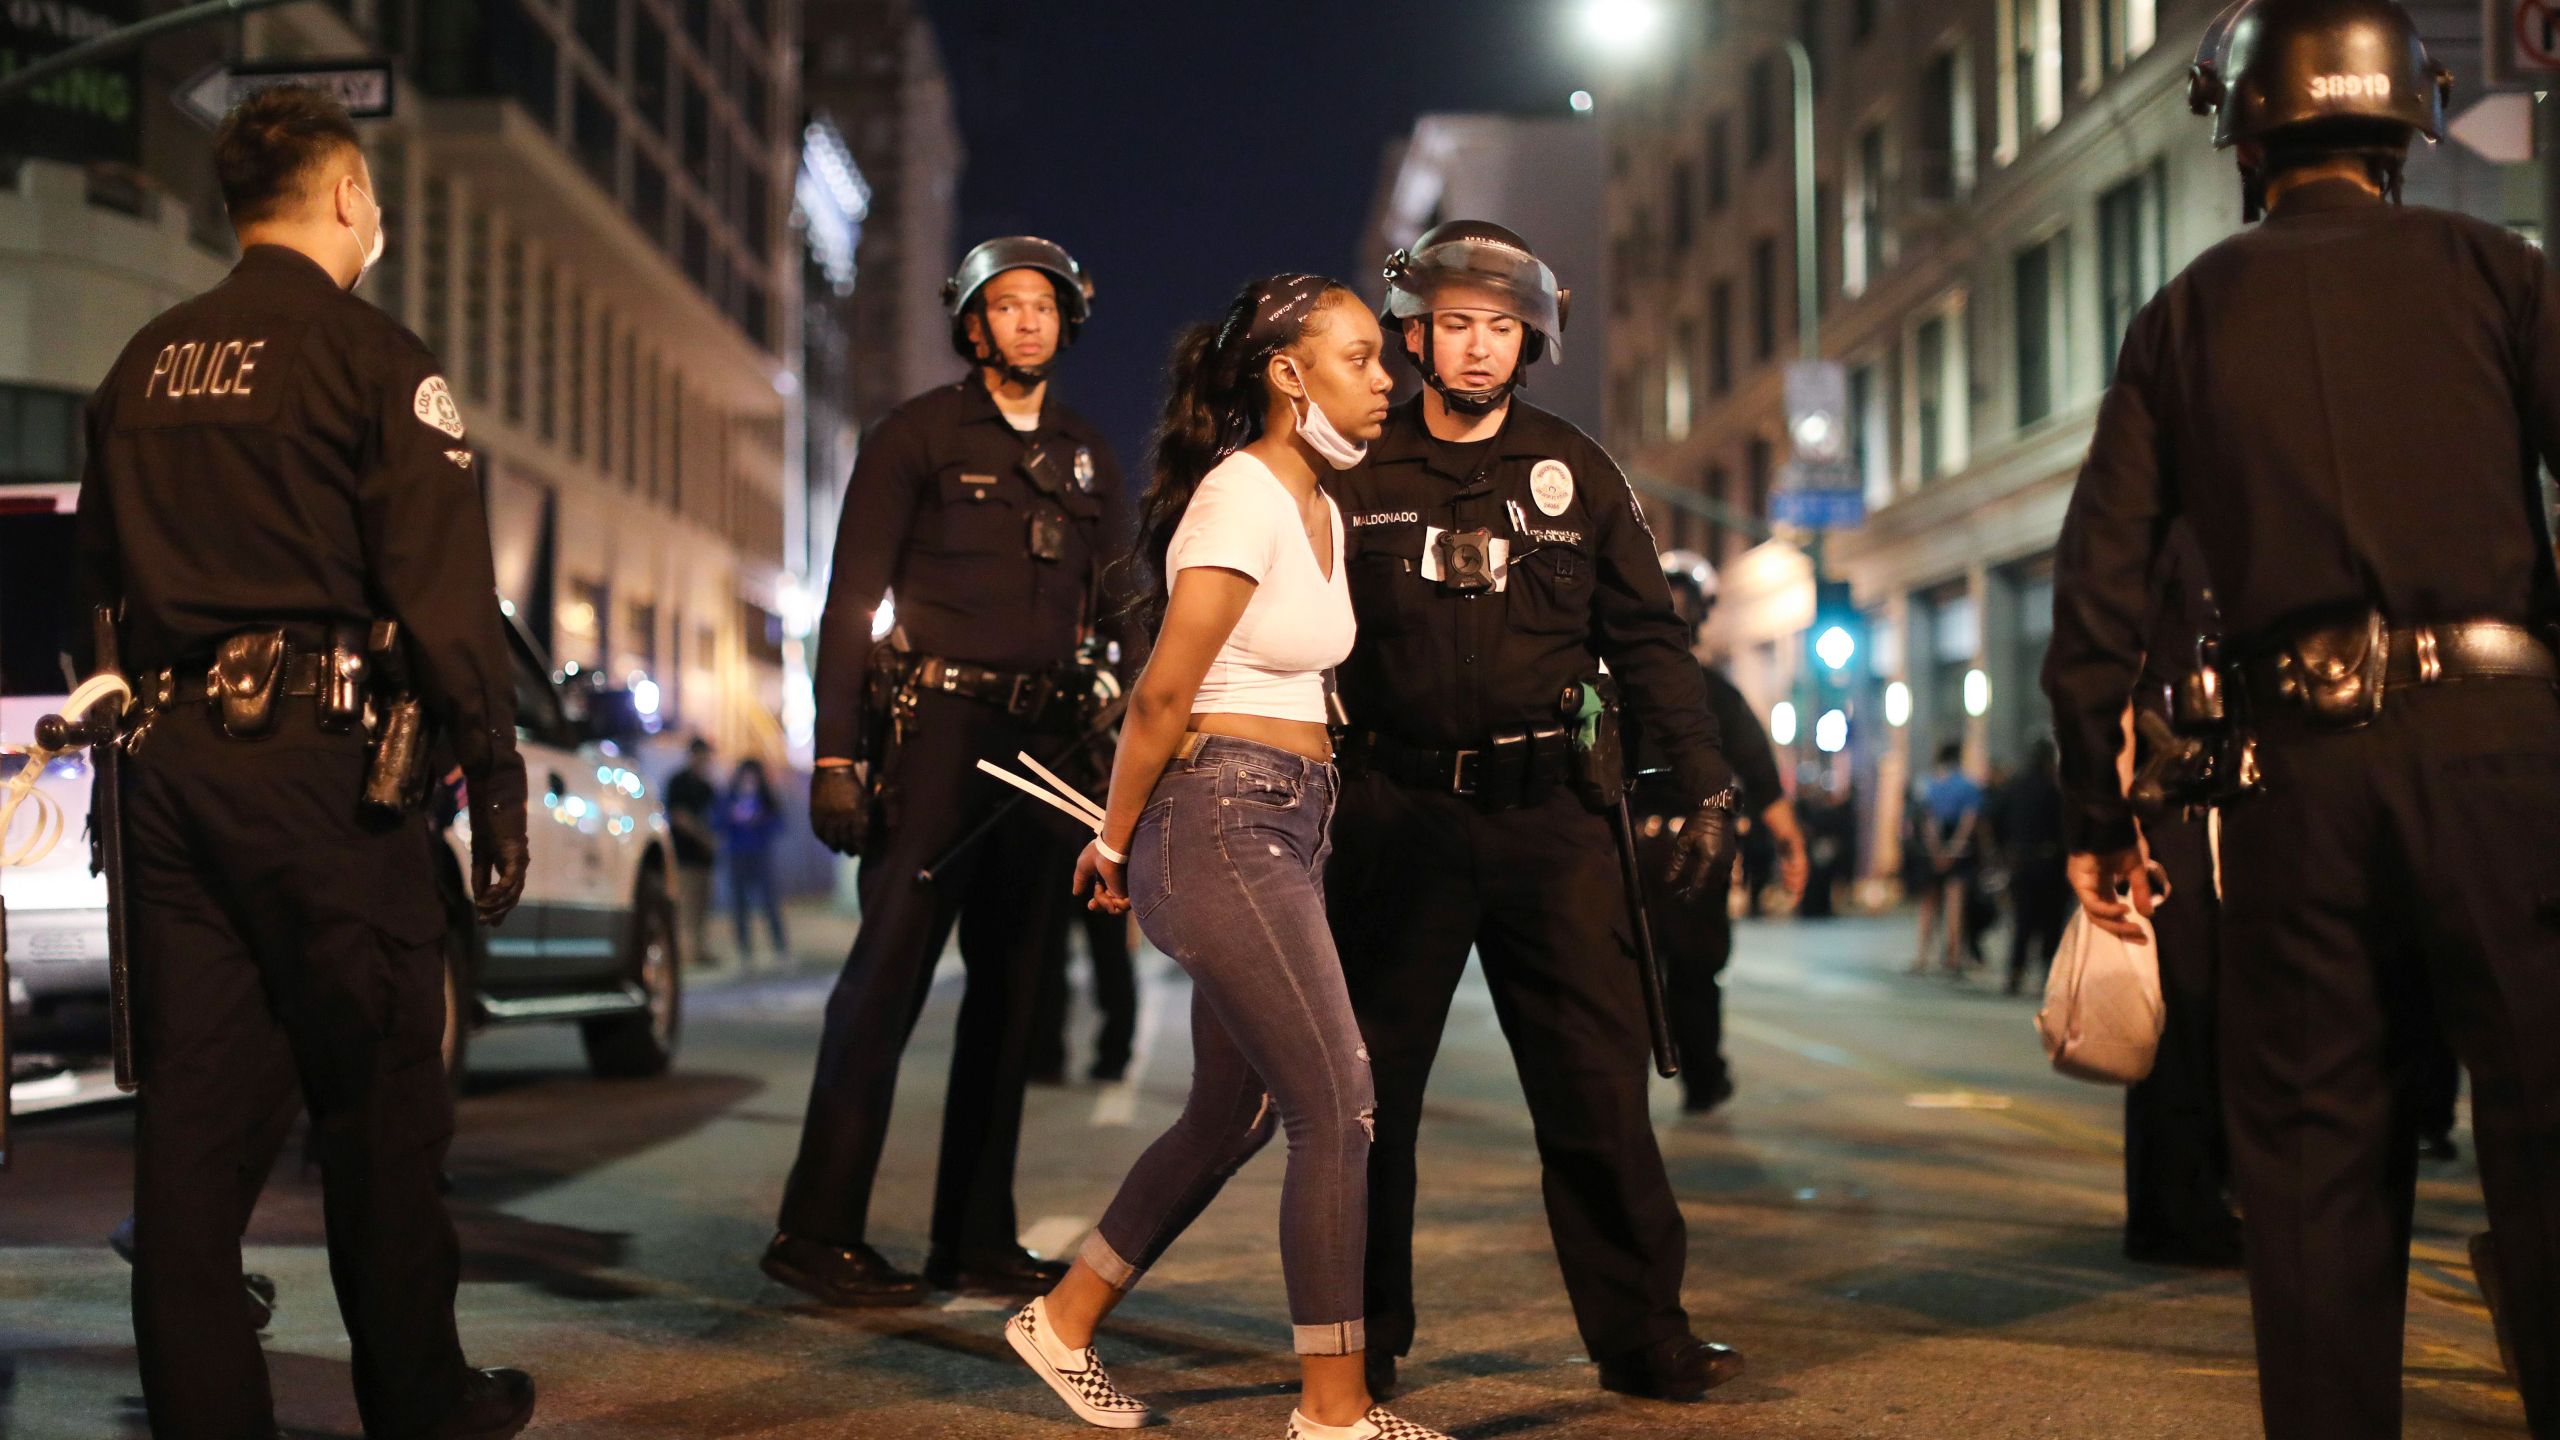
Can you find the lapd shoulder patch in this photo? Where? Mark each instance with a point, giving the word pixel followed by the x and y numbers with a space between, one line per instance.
pixel 1551 485
pixel 435 406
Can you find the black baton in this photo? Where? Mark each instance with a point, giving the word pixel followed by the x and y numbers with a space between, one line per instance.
pixel 1657 1012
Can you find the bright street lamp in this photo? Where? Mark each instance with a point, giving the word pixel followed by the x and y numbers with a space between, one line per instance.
pixel 1835 647
pixel 1624 26
pixel 1897 704
pixel 1831 732
pixel 1782 723
pixel 1977 693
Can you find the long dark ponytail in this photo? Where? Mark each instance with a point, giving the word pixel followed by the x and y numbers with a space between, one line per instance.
pixel 1215 400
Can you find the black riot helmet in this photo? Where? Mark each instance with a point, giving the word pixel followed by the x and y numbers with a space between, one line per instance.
pixel 960 293
pixel 2309 79
pixel 1486 257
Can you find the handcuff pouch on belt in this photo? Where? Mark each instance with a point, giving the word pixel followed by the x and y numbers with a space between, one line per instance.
pixel 395 776
pixel 247 681
pixel 2333 674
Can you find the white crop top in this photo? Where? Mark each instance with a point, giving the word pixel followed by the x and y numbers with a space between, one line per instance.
pixel 1298 624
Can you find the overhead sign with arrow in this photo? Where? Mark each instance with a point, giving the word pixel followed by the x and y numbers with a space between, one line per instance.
pixel 365 87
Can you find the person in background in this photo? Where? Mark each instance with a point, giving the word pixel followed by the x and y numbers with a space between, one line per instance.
pixel 1949 814
pixel 750 821
pixel 1830 822
pixel 1115 995
pixel 2031 843
pixel 691 796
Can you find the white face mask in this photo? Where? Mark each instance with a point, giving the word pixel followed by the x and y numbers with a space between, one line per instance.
pixel 1316 428
pixel 372 252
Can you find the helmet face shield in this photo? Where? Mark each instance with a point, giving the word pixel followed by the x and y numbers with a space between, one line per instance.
pixel 1517 283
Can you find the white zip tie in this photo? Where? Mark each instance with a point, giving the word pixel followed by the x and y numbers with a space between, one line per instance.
pixel 21 787
pixel 1045 797
pixel 1081 800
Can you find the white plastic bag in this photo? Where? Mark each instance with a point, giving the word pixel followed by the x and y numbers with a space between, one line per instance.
pixel 2102 1010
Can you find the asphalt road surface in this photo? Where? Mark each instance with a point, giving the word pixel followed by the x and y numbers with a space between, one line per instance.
pixel 1905 1220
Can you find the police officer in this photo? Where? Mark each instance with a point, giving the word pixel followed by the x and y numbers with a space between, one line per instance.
pixel 987 510
pixel 1694 936
pixel 1497 558
pixel 272 466
pixel 2349 403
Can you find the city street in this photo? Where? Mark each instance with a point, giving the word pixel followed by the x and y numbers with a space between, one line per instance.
pixel 1905 1220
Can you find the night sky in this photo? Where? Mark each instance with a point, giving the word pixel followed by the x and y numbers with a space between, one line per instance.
pixel 1180 149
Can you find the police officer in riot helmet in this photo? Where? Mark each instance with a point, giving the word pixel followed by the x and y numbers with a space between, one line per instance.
pixel 282 509
pixel 1498 559
pixel 985 512
pixel 1694 934
pixel 2350 405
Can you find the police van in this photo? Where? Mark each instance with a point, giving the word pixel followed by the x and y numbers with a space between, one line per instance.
pixel 594 941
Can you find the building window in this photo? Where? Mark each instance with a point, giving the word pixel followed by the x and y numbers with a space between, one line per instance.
pixel 1684 203
pixel 696 139
pixel 528 63
pixel 1862 19
pixel 1718 480
pixel 1759 467
pixel 1675 382
pixel 600 30
pixel 436 289
pixel 1760 110
pixel 41 437
pixel 577 347
pixel 604 393
pixel 649 70
pixel 1764 298
pixel 757 207
pixel 2133 254
pixel 632 401
pixel 2030 71
pixel 546 356
pixel 1719 164
pixel 2122 30
pixel 477 294
pixel 1809 35
pixel 697 250
pixel 2043 281
pixel 1939 393
pixel 649 196
pixel 597 136
pixel 1862 220
pixel 1946 162
pixel 511 336
pixel 1870 432
pixel 1720 338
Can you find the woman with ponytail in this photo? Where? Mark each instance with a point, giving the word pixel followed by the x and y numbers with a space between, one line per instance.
pixel 1216 835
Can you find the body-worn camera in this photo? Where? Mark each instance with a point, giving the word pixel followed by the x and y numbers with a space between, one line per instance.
pixel 1047 537
pixel 1466 560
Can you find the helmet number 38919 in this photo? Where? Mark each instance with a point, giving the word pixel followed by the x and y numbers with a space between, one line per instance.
pixel 2350 87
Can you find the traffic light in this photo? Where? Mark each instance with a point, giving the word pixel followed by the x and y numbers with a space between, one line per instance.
pixel 1836 644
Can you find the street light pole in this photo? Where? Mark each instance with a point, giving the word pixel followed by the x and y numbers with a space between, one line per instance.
pixel 1808 223
pixel 116 42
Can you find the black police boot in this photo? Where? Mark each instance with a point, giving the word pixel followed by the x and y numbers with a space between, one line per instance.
pixel 1109 1069
pixel 496 1405
pixel 1681 1369
pixel 260 1291
pixel 1707 1096
pixel 1018 1274
pixel 860 1277
pixel 1380 1366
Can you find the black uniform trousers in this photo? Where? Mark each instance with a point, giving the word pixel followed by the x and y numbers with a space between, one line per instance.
pixel 2176 1161
pixel 1693 939
pixel 1004 893
pixel 277 941
pixel 1115 992
pixel 2392 877
pixel 1417 880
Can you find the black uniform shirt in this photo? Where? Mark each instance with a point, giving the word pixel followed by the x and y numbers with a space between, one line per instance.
pixel 2349 403
pixel 279 452
pixel 1440 669
pixel 939 512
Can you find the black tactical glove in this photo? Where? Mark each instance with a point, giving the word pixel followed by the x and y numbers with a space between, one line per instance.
pixel 499 855
pixel 1703 856
pixel 839 811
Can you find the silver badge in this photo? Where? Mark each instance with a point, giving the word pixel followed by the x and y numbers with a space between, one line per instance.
pixel 1084 469
pixel 1551 485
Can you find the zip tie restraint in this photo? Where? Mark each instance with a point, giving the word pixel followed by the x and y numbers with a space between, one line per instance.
pixel 1060 795
pixel 21 787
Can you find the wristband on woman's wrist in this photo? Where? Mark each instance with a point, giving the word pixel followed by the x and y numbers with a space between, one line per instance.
pixel 1103 848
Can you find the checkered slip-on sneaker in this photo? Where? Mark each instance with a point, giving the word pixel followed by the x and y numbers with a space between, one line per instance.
pixel 1378 1424
pixel 1075 1374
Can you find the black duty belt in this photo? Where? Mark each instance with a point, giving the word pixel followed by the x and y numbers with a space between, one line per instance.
pixel 194 684
pixel 1019 693
pixel 1511 768
pixel 2416 656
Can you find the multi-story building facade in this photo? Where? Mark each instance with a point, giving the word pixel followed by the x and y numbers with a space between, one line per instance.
pixel 586 202
pixel 1539 176
pixel 2001 184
